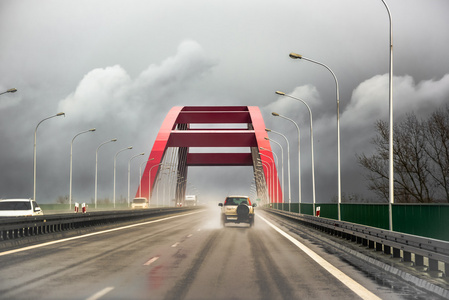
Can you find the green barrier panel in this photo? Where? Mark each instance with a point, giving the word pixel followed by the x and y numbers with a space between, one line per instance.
pixel 328 210
pixel 307 209
pixel 294 207
pixel 426 220
pixel 429 220
pixel 375 215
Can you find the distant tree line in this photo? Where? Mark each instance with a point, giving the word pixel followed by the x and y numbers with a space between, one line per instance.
pixel 421 159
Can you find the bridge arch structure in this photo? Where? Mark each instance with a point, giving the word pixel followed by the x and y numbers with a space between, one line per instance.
pixel 187 127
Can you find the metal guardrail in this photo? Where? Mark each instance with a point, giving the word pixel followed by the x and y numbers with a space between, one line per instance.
pixel 14 228
pixel 383 240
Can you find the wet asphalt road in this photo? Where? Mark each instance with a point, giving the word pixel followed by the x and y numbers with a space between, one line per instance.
pixel 190 256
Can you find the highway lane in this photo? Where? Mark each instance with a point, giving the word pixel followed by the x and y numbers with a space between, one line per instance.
pixel 188 256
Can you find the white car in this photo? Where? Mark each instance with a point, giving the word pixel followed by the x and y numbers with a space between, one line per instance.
pixel 19 208
pixel 140 202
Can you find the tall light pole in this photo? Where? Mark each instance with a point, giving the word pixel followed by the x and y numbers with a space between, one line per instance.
pixel 311 142
pixel 71 151
pixel 149 182
pixel 129 171
pixel 277 173
pixel 275 186
pixel 115 163
pixel 288 166
pixel 140 177
pixel 298 56
pixel 391 157
pixel 13 90
pixel 268 178
pixel 299 155
pixel 96 167
pixel 34 151
pixel 282 164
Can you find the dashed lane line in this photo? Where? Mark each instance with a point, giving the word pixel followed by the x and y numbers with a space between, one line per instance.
pixel 101 293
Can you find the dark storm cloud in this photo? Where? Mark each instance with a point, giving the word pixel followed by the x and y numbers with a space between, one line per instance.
pixel 119 66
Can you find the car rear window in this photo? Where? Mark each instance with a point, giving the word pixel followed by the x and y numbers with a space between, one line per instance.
pixel 237 201
pixel 15 205
pixel 139 200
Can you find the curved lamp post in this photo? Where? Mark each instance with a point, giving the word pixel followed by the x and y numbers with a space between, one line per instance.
pixel 391 157
pixel 140 177
pixel 149 182
pixel 115 163
pixel 268 177
pixel 298 56
pixel 129 171
pixel 282 164
pixel 299 155
pixel 311 142
pixel 34 151
pixel 276 165
pixel 274 185
pixel 96 168
pixel 71 151
pixel 13 90
pixel 288 166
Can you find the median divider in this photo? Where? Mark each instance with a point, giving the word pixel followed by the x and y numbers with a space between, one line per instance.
pixel 17 228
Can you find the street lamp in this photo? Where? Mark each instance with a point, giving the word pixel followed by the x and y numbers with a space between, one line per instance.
pixel 288 166
pixel 96 168
pixel 268 178
pixel 299 155
pixel 140 177
pixel 34 151
pixel 391 162
pixel 115 163
pixel 298 56
pixel 13 90
pixel 129 171
pixel 149 183
pixel 311 142
pixel 277 164
pixel 71 151
pixel 275 189
pixel 282 162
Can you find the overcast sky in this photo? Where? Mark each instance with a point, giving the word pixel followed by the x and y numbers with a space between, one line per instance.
pixel 119 66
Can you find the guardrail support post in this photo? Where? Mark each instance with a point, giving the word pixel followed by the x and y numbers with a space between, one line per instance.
pixel 419 260
pixel 396 252
pixel 379 247
pixel 433 264
pixel 407 256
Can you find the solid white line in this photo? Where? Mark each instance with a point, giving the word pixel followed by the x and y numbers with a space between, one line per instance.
pixel 92 234
pixel 152 260
pixel 345 279
pixel 100 293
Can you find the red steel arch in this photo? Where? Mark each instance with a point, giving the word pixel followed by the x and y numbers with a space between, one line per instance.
pixel 176 131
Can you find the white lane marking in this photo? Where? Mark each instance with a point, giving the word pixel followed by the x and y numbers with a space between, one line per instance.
pixel 175 245
pixel 190 235
pixel 152 260
pixel 92 234
pixel 345 279
pixel 101 293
